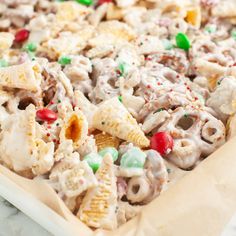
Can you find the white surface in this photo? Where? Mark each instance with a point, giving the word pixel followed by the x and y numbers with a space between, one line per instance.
pixel 15 223
pixel 230 229
pixel 35 209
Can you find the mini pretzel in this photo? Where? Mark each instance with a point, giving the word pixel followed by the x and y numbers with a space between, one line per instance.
pixel 156 173
pixel 138 189
pixel 175 60
pixel 185 153
pixel 205 130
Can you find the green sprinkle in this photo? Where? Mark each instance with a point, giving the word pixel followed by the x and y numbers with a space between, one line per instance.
pixel 121 68
pixel 30 47
pixel 182 41
pixel 167 44
pixel 111 150
pixel 120 99
pixel 186 115
pixel 160 109
pixel 85 2
pixel 233 34
pixel 59 101
pixel 210 29
pixel 94 160
pixel 3 63
pixel 168 170
pixel 64 60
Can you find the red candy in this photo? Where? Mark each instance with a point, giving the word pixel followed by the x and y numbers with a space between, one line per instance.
pixel 46 115
pixel 100 2
pixel 21 35
pixel 162 142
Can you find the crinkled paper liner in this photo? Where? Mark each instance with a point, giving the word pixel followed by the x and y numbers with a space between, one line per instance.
pixel 200 203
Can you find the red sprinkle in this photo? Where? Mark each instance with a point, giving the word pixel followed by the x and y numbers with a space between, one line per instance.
pixel 162 142
pixel 158 83
pixel 21 35
pixel 148 86
pixel 46 115
pixel 48 134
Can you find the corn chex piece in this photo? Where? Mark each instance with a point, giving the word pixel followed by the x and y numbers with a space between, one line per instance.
pixel 24 76
pixel 212 82
pixel 113 118
pixel 6 40
pixel 114 12
pixel 98 208
pixel 71 11
pixel 104 140
pixel 78 179
pixel 117 29
pixel 193 16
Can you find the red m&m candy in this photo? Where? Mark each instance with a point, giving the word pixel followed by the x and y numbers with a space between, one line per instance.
pixel 100 2
pixel 21 35
pixel 46 115
pixel 162 142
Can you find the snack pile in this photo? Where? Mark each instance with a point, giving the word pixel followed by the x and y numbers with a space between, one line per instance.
pixel 104 99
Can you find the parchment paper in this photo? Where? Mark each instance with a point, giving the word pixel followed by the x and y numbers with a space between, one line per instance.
pixel 200 203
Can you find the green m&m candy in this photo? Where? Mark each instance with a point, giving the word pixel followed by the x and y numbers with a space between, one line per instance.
pixel 30 47
pixel 182 41
pixel 111 150
pixel 210 28
pixel 85 2
pixel 64 60
pixel 94 160
pixel 133 158
pixel 3 63
pixel 233 34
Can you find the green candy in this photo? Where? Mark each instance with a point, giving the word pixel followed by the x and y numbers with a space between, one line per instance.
pixel 3 63
pixel 182 41
pixel 94 160
pixel 120 99
pixel 111 150
pixel 64 60
pixel 30 47
pixel 133 158
pixel 85 2
pixel 233 34
pixel 167 44
pixel 122 68
pixel 210 29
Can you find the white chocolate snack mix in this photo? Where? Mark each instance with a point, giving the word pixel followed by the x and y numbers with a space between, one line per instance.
pixel 99 97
